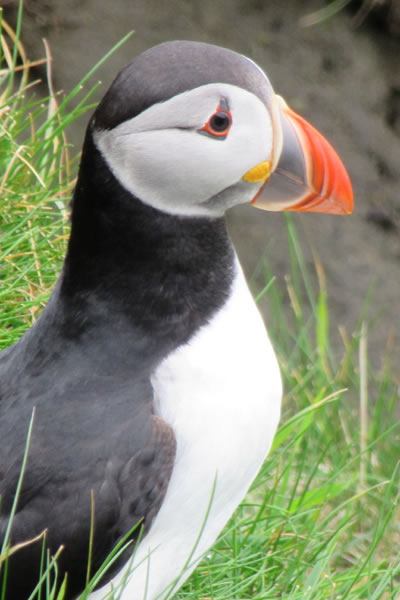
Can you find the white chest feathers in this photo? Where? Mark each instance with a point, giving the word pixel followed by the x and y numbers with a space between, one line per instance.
pixel 221 394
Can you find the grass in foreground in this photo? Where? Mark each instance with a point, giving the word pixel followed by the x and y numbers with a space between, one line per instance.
pixel 322 518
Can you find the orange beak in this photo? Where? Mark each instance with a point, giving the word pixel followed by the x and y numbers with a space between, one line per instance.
pixel 306 172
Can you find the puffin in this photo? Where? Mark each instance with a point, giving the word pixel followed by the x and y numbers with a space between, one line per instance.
pixel 137 410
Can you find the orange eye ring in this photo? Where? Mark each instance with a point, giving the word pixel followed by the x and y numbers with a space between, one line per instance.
pixel 219 124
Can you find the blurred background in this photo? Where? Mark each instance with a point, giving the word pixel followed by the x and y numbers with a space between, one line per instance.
pixel 336 62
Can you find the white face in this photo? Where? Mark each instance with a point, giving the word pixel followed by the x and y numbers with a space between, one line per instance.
pixel 163 157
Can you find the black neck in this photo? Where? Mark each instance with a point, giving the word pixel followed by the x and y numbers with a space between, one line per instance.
pixel 134 271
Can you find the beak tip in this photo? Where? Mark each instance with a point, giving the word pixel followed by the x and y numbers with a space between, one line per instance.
pixel 344 192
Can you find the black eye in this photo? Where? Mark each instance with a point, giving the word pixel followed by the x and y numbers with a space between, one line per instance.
pixel 218 125
pixel 220 122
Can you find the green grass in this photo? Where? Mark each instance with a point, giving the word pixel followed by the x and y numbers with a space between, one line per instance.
pixel 322 518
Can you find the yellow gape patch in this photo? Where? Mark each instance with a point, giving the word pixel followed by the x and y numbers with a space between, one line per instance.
pixel 260 172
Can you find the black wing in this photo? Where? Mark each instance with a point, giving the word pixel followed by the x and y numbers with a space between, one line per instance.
pixel 95 443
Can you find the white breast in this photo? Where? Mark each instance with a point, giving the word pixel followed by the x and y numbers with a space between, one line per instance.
pixel 221 394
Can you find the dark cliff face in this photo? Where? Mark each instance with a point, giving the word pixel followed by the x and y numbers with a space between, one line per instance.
pixel 345 80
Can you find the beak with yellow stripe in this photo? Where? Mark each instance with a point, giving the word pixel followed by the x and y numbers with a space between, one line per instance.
pixel 304 172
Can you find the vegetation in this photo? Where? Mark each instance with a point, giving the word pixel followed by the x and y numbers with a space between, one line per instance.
pixel 322 518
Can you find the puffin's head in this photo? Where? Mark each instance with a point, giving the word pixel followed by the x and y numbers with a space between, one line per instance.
pixel 193 129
